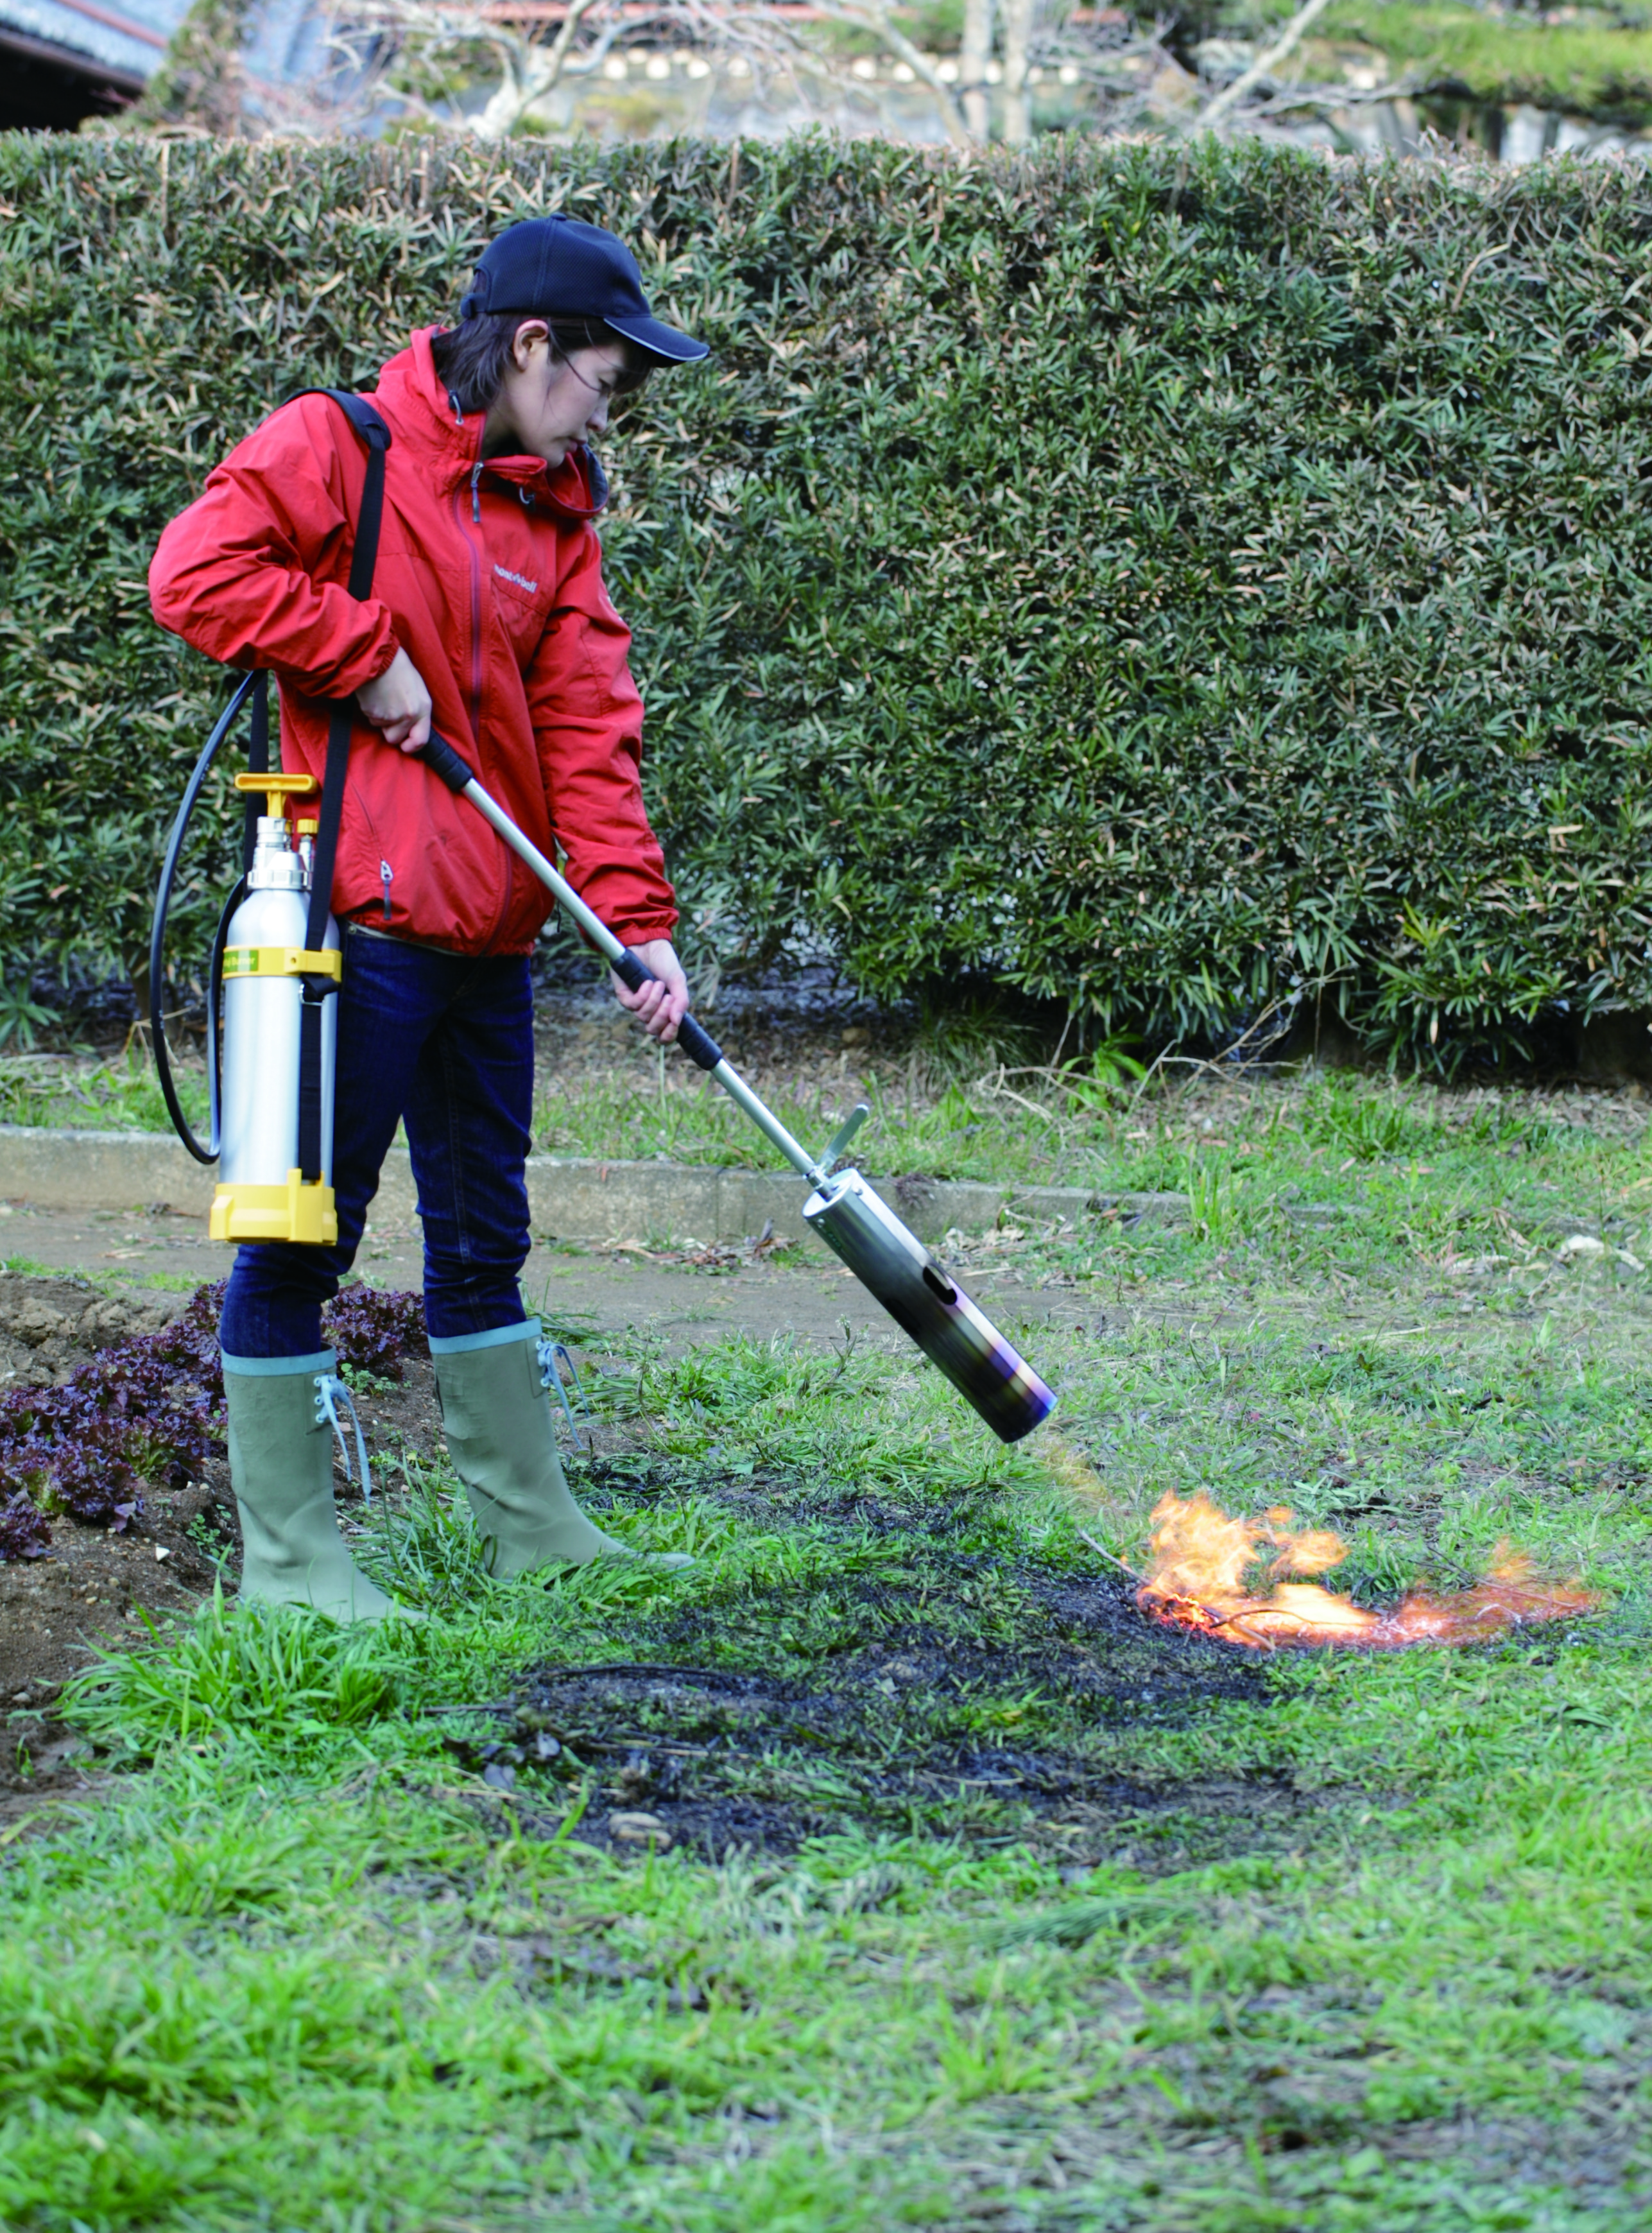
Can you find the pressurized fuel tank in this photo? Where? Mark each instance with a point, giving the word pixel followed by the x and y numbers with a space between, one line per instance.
pixel 262 1194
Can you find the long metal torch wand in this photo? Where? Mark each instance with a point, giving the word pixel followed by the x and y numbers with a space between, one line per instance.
pixel 855 1222
pixel 634 973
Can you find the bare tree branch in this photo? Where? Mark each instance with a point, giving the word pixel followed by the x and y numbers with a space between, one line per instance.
pixel 527 77
pixel 1261 68
pixel 875 19
pixel 409 33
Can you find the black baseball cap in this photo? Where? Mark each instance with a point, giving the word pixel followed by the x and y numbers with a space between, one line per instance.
pixel 559 267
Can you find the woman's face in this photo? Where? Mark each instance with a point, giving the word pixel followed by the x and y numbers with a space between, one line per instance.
pixel 548 404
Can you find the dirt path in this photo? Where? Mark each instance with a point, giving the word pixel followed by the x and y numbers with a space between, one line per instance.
pixel 684 1303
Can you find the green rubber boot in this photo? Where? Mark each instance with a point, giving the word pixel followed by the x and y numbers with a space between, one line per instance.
pixel 281 1467
pixel 497 1413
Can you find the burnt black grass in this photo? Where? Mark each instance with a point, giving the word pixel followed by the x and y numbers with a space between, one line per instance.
pixel 889 1681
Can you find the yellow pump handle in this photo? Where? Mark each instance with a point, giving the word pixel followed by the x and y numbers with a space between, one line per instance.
pixel 277 789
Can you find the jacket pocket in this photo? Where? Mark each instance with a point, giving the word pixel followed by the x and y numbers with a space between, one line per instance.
pixel 522 601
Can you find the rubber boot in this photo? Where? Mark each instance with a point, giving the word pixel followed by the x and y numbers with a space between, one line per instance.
pixel 497 1413
pixel 281 1467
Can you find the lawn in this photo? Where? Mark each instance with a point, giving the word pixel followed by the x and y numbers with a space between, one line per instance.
pixel 955 1102
pixel 971 1897
pixel 1593 62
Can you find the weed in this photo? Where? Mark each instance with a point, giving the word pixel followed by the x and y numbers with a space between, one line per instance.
pixel 1214 1197
pixel 424 1546
pixel 257 1674
pixel 1096 1084
pixel 957 1039
pixel 20 1016
pixel 1364 1125
pixel 214 1544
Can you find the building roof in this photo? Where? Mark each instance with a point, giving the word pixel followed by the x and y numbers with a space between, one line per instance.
pixel 121 40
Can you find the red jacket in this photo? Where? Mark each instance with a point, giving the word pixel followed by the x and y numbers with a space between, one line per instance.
pixel 490 577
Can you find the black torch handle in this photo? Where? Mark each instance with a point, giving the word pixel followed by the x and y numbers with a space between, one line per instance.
pixel 692 1038
pixel 454 771
pixel 629 967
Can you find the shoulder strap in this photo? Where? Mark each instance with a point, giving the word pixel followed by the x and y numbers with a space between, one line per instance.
pixel 257 764
pixel 370 425
pixel 364 558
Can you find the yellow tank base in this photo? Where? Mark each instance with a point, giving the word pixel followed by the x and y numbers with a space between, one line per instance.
pixel 293 1212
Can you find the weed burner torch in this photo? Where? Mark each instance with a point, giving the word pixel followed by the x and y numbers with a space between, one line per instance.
pixel 922 1297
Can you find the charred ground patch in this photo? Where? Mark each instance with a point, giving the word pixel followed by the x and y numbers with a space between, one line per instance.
pixel 894 1683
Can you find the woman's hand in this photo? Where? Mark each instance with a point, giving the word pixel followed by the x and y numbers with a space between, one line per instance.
pixel 659 1008
pixel 397 704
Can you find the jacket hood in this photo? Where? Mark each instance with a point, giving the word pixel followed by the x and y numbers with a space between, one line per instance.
pixel 421 412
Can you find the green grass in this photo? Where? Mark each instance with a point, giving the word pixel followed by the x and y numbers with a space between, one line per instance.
pixel 949 1110
pixel 952 1111
pixel 108 1283
pixel 1033 1125
pixel 948 1132
pixel 1354 1943
pixel 1593 66
pixel 121 1093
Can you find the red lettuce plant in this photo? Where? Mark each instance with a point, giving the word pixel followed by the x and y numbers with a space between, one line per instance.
pixel 150 1408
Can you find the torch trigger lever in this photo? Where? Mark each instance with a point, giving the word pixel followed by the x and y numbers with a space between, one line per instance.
pixel 838 1144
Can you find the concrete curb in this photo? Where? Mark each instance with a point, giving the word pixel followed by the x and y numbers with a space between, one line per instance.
pixel 570 1197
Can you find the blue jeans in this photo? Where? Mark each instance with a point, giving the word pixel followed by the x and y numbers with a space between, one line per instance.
pixel 443 1043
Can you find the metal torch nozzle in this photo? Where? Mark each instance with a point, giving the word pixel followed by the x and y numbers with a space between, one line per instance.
pixel 922 1297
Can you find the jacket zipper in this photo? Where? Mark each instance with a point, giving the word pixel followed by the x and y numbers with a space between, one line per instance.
pixel 476 652
pixel 386 875
pixel 475 598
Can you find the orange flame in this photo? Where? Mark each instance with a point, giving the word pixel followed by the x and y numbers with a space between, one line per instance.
pixel 1200 1558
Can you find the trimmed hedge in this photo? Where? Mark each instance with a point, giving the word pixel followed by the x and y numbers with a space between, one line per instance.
pixel 1159 581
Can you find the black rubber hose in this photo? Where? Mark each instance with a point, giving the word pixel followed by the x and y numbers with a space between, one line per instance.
pixel 158 938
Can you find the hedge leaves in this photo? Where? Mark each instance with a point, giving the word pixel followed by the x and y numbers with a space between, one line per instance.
pixel 1157 580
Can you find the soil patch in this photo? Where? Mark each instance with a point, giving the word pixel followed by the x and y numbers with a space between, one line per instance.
pixel 48 1326
pixel 91 1582
pixel 906 1681
pixel 591 1295
pixel 98 1586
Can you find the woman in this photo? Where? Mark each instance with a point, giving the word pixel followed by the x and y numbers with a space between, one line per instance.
pixel 488 619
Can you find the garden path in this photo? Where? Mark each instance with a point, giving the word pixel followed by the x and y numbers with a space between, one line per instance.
pixel 682 1300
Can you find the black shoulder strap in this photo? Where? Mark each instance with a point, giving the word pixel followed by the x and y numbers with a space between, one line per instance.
pixel 257 764
pixel 369 424
pixel 364 558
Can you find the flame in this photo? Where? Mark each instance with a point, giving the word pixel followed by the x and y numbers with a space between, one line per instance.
pixel 1201 1558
